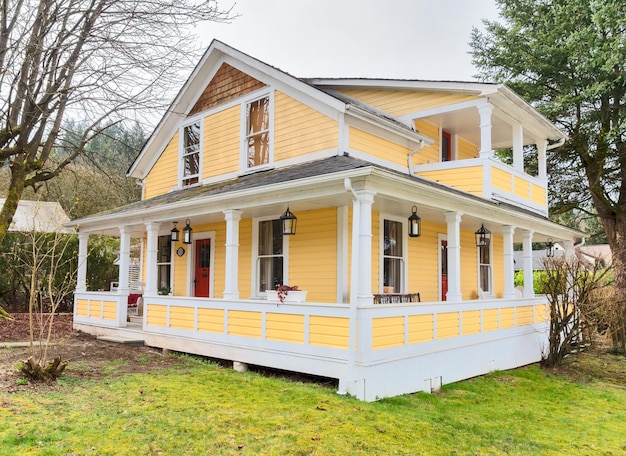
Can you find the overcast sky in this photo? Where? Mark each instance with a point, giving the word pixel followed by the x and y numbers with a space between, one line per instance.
pixel 400 39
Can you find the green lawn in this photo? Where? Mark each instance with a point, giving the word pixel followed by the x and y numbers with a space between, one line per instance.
pixel 201 408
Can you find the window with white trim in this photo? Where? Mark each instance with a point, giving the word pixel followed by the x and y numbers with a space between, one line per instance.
pixel 164 264
pixel 190 157
pixel 484 269
pixel 258 133
pixel 393 257
pixel 270 261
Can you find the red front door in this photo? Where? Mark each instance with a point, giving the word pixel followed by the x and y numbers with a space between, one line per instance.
pixel 202 268
pixel 444 269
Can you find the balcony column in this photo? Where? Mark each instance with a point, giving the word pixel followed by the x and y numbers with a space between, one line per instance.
pixel 542 148
pixel 509 267
pixel 453 220
pixel 124 270
pixel 518 147
pixel 152 251
pixel 81 274
pixel 527 247
pixel 231 290
pixel 485 112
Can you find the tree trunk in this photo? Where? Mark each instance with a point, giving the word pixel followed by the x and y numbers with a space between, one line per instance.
pixel 16 189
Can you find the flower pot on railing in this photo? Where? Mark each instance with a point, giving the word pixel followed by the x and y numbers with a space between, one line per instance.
pixel 293 295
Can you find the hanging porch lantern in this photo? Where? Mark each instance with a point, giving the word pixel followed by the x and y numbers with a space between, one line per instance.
pixel 483 236
pixel 175 233
pixel 550 248
pixel 288 223
pixel 415 224
pixel 187 233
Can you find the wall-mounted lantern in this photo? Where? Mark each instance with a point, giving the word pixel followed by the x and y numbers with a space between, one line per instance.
pixel 483 236
pixel 187 233
pixel 288 223
pixel 415 223
pixel 175 233
pixel 550 248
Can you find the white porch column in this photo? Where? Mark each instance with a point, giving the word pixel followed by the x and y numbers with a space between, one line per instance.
pixel 542 148
pixel 453 220
pixel 231 290
pixel 152 250
pixel 518 147
pixel 81 278
pixel 484 112
pixel 364 290
pixel 527 247
pixel 509 267
pixel 124 261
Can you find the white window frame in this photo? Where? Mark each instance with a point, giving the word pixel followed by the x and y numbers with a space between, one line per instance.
pixel 170 263
pixel 404 277
pixel 243 161
pixel 255 293
pixel 485 293
pixel 182 154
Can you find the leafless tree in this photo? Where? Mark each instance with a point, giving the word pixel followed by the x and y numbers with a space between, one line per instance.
pixel 96 61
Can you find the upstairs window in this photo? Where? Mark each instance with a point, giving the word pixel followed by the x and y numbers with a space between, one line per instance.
pixel 191 154
pixel 393 257
pixel 257 140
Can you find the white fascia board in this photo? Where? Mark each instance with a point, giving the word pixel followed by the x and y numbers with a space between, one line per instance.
pixel 476 88
pixel 443 109
pixel 380 122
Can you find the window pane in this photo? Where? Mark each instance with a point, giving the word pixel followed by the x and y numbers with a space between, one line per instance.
pixel 484 277
pixel 191 138
pixel 258 116
pixel 257 132
pixel 165 249
pixel 393 274
pixel 191 164
pixel 393 238
pixel 270 273
pixel 258 149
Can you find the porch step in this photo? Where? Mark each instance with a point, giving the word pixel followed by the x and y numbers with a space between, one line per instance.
pixel 121 340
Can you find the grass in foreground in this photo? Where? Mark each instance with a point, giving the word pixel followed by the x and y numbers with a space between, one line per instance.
pixel 202 408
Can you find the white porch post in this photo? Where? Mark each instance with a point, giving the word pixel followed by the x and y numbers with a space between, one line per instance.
pixel 123 286
pixel 81 276
pixel 364 290
pixel 453 220
pixel 569 249
pixel 542 147
pixel 518 147
pixel 509 267
pixel 527 247
pixel 231 290
pixel 151 258
pixel 484 112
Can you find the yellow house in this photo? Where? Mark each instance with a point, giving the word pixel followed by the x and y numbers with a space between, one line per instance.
pixel 405 225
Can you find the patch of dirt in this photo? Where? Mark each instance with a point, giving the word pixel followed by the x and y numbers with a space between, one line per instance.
pixel 87 357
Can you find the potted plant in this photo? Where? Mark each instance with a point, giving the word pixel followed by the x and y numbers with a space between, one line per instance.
pixel 286 293
pixel 164 291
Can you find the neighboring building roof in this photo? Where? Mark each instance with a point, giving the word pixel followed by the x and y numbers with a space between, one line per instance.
pixel 39 216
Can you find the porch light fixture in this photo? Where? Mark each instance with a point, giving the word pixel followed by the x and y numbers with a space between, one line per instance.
pixel 175 233
pixel 483 236
pixel 187 233
pixel 415 223
pixel 550 248
pixel 288 223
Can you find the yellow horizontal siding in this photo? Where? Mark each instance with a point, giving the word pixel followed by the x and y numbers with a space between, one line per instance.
pixel 522 188
pixel 377 147
pixel 399 103
pixel 211 320
pixel 428 154
pixel 244 323
pixel 425 252
pixel 329 331
pixel 82 305
pixel 109 310
pixel 539 195
pixel 164 174
pixel 507 317
pixel 222 140
pixel 421 328
pixel 490 320
pixel 447 325
pixel 285 327
pixel 245 251
pixel 502 180
pixel 471 322
pixel 541 313
pixel 497 259
pixel 301 130
pixel 524 315
pixel 387 332
pixel 313 255
pixel 469 265
pixel 95 309
pixel 469 179
pixel 157 314
pixel 466 149
pixel 182 317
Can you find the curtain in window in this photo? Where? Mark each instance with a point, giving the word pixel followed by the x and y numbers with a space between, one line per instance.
pixel 257 132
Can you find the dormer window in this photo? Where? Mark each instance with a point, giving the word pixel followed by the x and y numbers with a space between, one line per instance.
pixel 257 143
pixel 190 159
